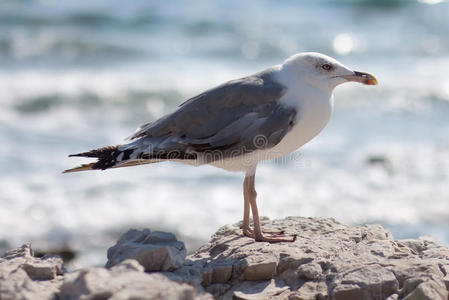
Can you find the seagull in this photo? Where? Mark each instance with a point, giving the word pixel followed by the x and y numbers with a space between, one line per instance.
pixel 237 124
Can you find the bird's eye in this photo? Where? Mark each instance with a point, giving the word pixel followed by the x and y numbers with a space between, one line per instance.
pixel 326 67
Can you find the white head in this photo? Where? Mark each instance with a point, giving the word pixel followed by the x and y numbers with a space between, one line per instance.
pixel 323 72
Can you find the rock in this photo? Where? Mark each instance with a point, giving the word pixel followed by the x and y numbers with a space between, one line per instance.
pixel 260 268
pixel 429 290
pixel 310 290
pixel 155 251
pixel 23 276
pixel 376 282
pixel 259 290
pixel 221 274
pixel 393 297
pixel 126 280
pixel 310 271
pixel 328 260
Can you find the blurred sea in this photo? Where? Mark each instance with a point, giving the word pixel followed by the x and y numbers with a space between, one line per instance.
pixel 76 75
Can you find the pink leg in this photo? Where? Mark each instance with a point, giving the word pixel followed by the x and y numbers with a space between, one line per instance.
pixel 250 195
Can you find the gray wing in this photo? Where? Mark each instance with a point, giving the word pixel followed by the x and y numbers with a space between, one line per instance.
pixel 237 117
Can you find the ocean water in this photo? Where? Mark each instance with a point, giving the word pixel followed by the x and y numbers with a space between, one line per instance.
pixel 76 75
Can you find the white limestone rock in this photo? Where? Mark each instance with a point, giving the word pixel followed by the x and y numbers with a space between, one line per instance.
pixel 23 276
pixel 155 251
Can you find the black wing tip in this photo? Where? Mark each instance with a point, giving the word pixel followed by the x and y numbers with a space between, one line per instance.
pixel 99 153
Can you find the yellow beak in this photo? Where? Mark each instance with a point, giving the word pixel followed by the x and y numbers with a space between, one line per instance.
pixel 361 77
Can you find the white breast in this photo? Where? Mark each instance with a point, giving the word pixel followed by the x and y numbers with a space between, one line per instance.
pixel 313 113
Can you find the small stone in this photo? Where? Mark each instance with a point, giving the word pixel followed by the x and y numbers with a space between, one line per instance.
pixel 410 284
pixel 260 290
pixel 23 252
pixel 349 292
pixel 416 245
pixel 263 270
pixel 311 290
pixel 310 271
pixel 128 265
pixel 428 291
pixel 221 274
pixel 40 271
pixel 155 251
pixel 291 261
pixel 374 280
pixel 102 283
pixel 23 276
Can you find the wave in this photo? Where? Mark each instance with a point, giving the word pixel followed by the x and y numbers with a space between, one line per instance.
pixel 106 33
pixel 383 4
pixel 20 45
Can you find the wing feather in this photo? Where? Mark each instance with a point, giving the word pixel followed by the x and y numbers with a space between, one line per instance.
pixel 227 118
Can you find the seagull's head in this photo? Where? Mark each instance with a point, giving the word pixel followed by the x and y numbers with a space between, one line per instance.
pixel 323 72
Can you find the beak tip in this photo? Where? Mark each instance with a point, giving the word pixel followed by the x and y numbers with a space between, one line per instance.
pixel 371 81
pixel 366 78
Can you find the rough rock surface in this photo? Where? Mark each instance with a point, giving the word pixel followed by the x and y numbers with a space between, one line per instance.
pixel 155 251
pixel 23 276
pixel 126 280
pixel 327 261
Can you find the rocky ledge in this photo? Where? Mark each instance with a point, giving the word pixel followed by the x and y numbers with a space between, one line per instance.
pixel 327 261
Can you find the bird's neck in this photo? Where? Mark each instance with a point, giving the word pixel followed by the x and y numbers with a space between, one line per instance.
pixel 300 92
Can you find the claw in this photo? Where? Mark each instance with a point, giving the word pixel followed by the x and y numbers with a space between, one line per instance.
pixel 274 237
pixel 268 231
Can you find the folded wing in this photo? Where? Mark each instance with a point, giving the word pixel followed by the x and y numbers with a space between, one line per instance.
pixel 235 118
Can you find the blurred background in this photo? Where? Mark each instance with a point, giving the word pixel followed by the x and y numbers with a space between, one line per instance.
pixel 77 75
